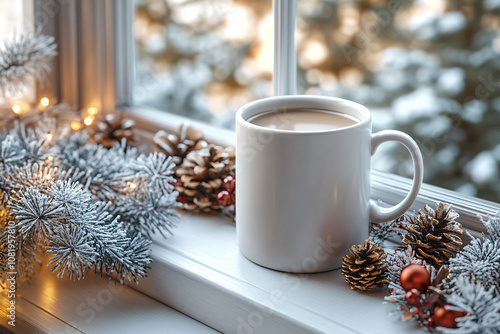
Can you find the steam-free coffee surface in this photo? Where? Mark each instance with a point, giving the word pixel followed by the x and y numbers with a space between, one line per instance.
pixel 303 120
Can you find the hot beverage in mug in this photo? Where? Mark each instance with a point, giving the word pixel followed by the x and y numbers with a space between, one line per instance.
pixel 303 120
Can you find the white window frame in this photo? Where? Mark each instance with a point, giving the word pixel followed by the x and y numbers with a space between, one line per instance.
pixel 96 68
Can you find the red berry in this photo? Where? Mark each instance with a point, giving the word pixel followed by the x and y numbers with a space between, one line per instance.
pixel 229 183
pixel 224 198
pixel 446 318
pixel 413 297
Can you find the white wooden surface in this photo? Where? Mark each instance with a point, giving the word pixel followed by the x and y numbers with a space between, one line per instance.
pixel 93 305
pixel 200 272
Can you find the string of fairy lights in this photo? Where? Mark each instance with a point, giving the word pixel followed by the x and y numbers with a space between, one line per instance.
pixel 88 116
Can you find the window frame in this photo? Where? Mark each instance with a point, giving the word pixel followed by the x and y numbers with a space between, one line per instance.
pixel 96 68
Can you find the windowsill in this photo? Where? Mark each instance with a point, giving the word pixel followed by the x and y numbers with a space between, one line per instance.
pixel 200 271
pixel 50 304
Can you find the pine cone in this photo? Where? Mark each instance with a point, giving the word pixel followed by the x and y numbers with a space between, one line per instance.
pixel 179 145
pixel 201 177
pixel 434 235
pixel 366 268
pixel 112 129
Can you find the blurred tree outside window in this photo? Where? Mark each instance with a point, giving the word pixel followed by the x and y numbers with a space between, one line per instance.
pixel 430 68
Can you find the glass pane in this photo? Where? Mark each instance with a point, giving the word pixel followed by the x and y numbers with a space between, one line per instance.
pixel 430 68
pixel 16 17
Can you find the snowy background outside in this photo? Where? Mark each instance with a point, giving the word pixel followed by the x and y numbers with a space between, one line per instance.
pixel 430 68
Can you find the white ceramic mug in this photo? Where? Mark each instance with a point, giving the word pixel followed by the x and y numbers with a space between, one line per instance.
pixel 303 198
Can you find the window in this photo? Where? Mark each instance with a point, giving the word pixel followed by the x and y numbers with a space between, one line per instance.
pixel 429 68
pixel 384 68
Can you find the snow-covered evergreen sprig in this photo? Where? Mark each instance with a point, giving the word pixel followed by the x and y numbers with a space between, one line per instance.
pixel 26 55
pixel 475 282
pixel 387 230
pixel 88 206
pixel 492 224
pixel 479 261
pixel 481 304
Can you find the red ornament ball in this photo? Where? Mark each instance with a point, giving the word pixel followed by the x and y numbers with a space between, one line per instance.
pixel 229 183
pixel 224 199
pixel 413 297
pixel 446 318
pixel 415 276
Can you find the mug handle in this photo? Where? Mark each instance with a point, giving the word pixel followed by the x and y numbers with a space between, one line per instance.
pixel 380 214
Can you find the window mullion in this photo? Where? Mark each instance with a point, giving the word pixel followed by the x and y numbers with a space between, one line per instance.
pixel 124 55
pixel 69 54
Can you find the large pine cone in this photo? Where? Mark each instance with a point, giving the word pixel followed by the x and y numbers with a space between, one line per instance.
pixel 179 145
pixel 201 177
pixel 434 234
pixel 112 129
pixel 366 268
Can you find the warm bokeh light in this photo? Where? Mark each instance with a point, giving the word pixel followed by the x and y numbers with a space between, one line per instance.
pixel 88 120
pixel 50 159
pixel 44 102
pixel 92 111
pixel 239 26
pixel 48 137
pixel 265 46
pixel 75 125
pixel 132 185
pixel 16 108
pixel 314 53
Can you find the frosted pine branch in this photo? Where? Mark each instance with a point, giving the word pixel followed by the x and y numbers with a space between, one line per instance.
pixel 88 206
pixel 479 261
pixel 482 305
pixel 154 172
pixel 386 230
pixel 148 212
pixel 73 253
pixel 24 56
pixel 492 224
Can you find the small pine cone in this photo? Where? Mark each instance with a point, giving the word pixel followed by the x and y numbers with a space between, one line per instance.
pixel 112 129
pixel 179 145
pixel 366 268
pixel 434 234
pixel 201 177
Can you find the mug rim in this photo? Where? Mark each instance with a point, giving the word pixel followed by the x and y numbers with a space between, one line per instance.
pixel 317 98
